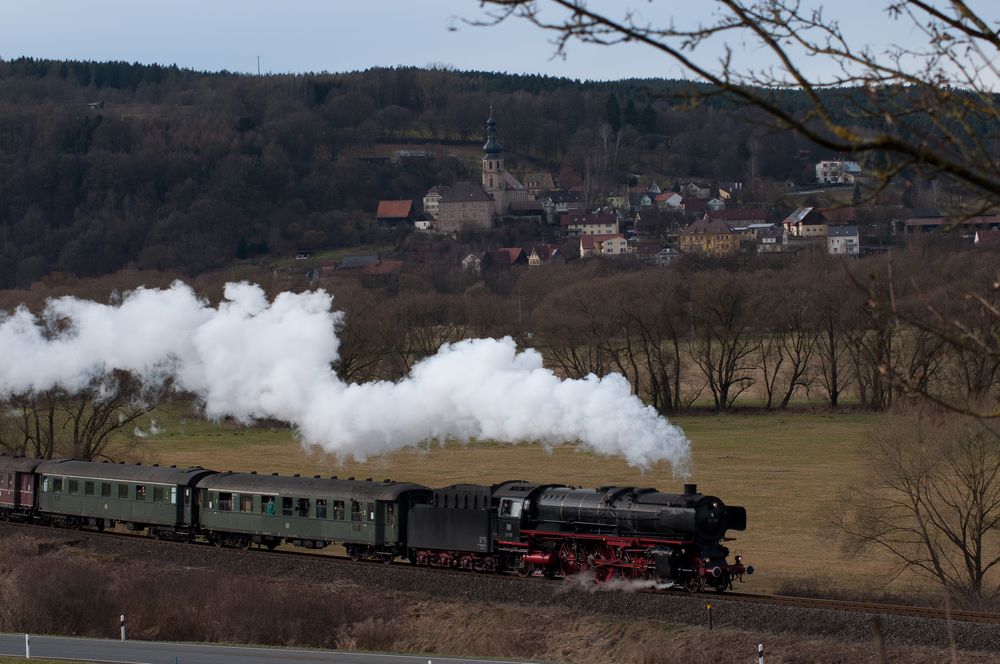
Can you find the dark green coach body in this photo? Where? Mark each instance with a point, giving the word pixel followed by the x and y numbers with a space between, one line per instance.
pixel 139 496
pixel 309 512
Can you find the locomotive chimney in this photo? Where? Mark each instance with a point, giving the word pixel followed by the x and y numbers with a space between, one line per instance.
pixel 690 489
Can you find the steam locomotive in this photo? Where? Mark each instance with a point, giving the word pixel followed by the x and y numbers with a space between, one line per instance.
pixel 607 533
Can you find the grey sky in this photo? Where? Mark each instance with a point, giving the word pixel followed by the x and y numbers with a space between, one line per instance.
pixel 342 35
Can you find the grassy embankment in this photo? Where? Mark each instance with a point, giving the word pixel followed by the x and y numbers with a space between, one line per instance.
pixel 787 469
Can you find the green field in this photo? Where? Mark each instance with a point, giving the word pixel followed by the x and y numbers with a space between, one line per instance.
pixel 785 468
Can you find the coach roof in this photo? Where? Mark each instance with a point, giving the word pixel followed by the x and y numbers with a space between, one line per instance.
pixel 123 472
pixel 18 464
pixel 307 486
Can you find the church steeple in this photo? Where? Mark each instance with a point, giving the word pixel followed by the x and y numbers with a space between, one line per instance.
pixel 492 146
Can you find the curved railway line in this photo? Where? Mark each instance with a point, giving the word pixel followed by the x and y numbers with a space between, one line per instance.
pixel 787 601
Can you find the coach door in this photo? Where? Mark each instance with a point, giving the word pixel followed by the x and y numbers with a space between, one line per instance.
pixel 25 495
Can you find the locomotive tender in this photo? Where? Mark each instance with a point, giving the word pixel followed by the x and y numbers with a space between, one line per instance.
pixel 627 533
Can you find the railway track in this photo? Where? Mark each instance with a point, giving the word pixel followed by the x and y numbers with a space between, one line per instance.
pixel 865 607
pixel 775 600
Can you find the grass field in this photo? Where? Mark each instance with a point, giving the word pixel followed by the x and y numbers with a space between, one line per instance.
pixel 785 468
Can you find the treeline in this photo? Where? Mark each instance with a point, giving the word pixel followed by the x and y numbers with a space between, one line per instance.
pixel 107 165
pixel 817 331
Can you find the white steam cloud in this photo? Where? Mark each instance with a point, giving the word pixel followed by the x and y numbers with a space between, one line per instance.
pixel 250 358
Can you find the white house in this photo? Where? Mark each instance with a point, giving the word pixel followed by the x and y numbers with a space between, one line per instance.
pixel 842 240
pixel 837 171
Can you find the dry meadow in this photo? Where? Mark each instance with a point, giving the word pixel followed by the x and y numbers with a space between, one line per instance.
pixel 787 469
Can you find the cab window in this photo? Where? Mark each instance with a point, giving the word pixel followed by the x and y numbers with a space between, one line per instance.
pixel 511 508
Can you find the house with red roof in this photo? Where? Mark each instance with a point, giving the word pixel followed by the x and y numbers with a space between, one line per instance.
pixel 610 244
pixel 394 212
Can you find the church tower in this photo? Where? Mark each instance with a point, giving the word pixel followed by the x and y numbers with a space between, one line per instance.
pixel 494 175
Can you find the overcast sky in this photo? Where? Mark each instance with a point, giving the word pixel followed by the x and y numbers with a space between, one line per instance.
pixel 344 35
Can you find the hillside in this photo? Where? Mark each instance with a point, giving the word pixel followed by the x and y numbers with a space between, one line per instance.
pixel 108 165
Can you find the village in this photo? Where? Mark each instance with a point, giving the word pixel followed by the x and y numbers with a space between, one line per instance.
pixel 651 221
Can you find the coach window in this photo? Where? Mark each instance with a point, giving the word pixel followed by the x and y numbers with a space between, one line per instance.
pixel 74 487
pixel 123 491
pixel 338 510
pixel 226 502
pixel 371 511
pixel 57 484
pixel 355 511
pixel 157 494
pixel 105 489
pixel 390 515
pixel 173 495
pixel 140 492
pixel 302 507
pixel 246 502
pixel 267 505
pixel 88 488
pixel 286 506
pixel 321 508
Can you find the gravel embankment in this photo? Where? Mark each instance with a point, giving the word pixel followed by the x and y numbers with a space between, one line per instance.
pixel 469 587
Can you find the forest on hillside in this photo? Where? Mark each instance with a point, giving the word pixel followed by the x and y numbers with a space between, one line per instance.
pixel 109 165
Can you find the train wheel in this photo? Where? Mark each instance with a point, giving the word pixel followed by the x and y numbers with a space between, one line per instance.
pixel 244 543
pixel 271 545
pixel 523 569
pixel 604 569
pixel 353 553
pixel 568 564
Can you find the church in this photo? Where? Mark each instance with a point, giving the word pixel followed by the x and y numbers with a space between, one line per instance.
pixel 465 206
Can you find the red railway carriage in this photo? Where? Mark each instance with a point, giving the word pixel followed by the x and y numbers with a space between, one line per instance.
pixel 17 486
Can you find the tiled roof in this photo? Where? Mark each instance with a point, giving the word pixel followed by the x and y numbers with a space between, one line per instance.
pixel 462 192
pixel 739 214
pixel 603 219
pixel 842 231
pixel 394 209
pixel 709 227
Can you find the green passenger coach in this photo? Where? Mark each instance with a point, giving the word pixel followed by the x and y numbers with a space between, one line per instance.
pixel 161 500
pixel 368 518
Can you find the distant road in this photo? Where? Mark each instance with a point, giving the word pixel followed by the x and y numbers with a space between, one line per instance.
pixel 152 652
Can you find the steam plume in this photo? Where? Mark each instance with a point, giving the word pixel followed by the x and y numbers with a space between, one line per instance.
pixel 250 358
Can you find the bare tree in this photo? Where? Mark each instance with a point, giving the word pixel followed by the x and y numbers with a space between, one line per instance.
pixel 788 339
pixel 930 106
pixel 931 501
pixel 82 425
pixel 724 344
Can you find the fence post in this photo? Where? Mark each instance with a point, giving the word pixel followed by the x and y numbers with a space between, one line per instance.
pixel 27 647
pixel 760 653
pixel 123 626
